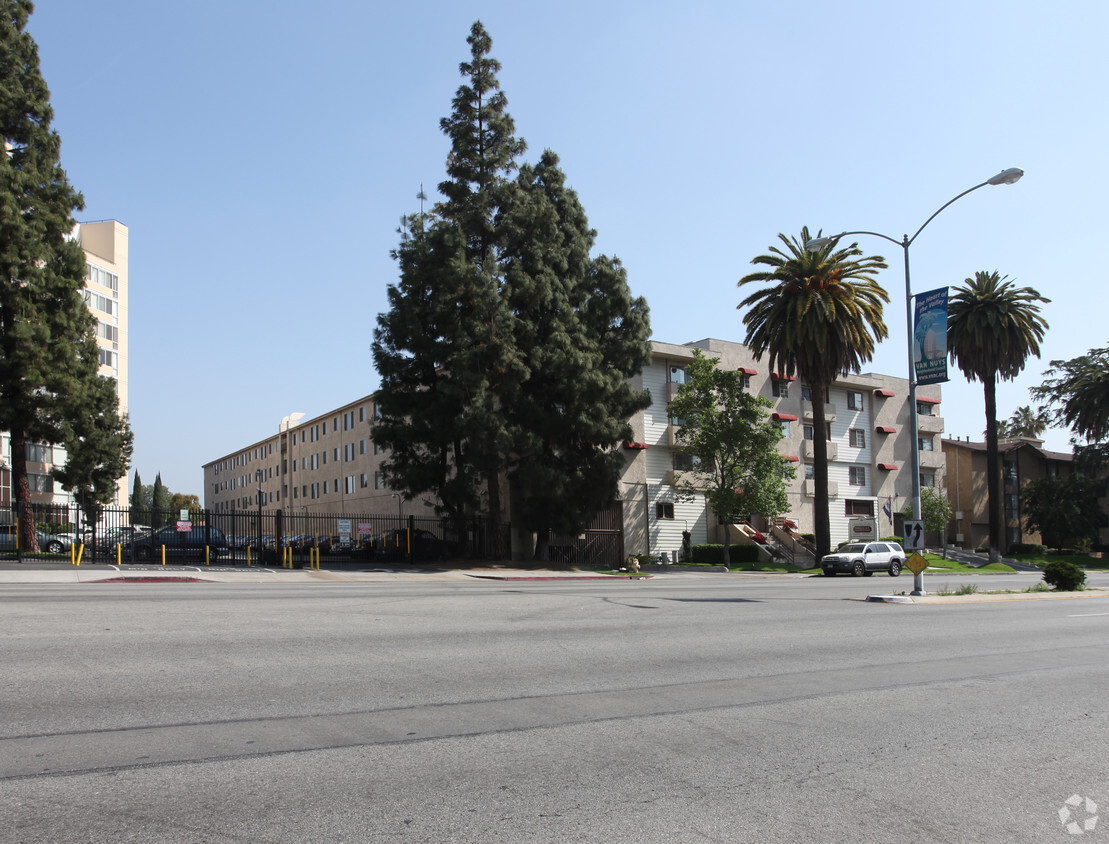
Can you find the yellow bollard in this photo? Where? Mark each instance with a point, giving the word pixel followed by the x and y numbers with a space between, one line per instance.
pixel 248 555
pixel 163 555
pixel 80 552
pixel 72 559
pixel 206 556
pixel 119 555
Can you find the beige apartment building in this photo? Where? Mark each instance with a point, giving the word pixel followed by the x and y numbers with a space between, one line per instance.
pixel 329 464
pixel 868 449
pixel 106 291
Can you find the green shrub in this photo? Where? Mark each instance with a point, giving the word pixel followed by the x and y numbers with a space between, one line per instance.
pixel 967 589
pixel 646 559
pixel 1064 576
pixel 1027 549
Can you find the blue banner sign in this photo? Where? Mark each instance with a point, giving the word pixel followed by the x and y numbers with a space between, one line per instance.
pixel 930 337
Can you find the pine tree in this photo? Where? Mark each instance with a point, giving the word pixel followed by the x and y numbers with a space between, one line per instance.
pixel 98 444
pixel 580 335
pixel 44 324
pixel 439 415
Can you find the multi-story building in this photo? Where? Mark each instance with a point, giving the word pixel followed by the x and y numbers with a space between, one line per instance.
pixel 106 254
pixel 868 437
pixel 1023 459
pixel 329 464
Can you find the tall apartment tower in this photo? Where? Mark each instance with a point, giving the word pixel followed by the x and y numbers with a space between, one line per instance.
pixel 105 245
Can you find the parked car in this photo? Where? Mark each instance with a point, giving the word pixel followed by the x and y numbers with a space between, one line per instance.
pixel 182 544
pixel 395 545
pixel 865 558
pixel 47 542
pixel 123 535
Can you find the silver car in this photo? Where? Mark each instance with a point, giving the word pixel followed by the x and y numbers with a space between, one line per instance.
pixel 865 558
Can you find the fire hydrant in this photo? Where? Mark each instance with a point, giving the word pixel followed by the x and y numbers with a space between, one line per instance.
pixel 633 565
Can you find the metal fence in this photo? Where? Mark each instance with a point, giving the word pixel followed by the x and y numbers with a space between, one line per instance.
pixel 266 537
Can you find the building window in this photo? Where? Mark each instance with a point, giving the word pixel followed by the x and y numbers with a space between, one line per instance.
pixel 859 508
pixel 685 462
pixel 856 475
pixel 677 374
pixel 37 453
pixel 664 510
pixel 379 479
pixel 857 437
pixel 925 444
pixel 335 454
pixel 379 448
pixel 928 479
pixel 364 480
pixel 806 393
pixel 854 400
pixel 744 381
pixel 923 408
pixel 810 471
pixel 40 483
pixel 361 414
pixel 348 452
pixel 1011 476
pixel 779 388
pixel 349 484
pixel 784 425
pixel 361 446
pixel 810 432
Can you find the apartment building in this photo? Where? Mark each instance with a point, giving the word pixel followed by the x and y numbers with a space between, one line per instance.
pixel 868 449
pixel 1023 459
pixel 326 464
pixel 106 293
pixel 329 463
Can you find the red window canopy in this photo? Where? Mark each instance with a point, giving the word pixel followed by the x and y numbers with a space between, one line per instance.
pixel 886 429
pixel 888 467
pixel 780 377
pixel 792 458
pixel 927 400
pixel 635 446
pixel 783 417
pixel 886 394
pixel 746 370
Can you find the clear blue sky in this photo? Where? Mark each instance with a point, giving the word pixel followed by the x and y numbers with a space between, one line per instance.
pixel 262 153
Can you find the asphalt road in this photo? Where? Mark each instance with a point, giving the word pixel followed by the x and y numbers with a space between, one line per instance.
pixel 688 708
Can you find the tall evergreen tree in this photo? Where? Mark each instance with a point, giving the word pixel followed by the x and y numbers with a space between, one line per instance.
pixel 580 334
pixel 140 514
pixel 44 323
pixel 159 505
pixel 449 313
pixel 98 444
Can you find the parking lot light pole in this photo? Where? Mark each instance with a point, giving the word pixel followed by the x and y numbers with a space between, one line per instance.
pixel 1005 177
pixel 258 480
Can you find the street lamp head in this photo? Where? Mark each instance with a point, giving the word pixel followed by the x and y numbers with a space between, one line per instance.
pixel 1006 177
pixel 818 243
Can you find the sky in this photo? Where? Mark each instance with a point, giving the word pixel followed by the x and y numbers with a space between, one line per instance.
pixel 263 153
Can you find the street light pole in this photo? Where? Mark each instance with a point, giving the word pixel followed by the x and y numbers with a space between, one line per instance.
pixel 258 480
pixel 1005 177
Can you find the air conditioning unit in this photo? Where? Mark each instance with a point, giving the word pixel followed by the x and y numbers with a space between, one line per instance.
pixel 959 538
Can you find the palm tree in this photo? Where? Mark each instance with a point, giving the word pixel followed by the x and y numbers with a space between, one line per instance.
pixel 820 318
pixel 1026 422
pixel 992 328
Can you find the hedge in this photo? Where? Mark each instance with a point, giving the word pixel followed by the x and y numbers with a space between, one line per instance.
pixel 714 554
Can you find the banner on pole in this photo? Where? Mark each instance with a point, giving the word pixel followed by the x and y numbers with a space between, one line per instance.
pixel 930 337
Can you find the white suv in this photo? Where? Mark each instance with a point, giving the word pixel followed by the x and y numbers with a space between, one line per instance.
pixel 865 558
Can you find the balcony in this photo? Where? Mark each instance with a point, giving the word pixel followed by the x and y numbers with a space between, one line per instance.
pixel 929 424
pixel 829 412
pixel 932 460
pixel 809 489
pixel 808 450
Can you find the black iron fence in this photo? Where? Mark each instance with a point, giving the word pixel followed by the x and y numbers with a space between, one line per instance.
pixel 255 537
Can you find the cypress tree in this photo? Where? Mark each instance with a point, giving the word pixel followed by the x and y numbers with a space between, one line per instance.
pixel 159 506
pixel 139 514
pixel 45 328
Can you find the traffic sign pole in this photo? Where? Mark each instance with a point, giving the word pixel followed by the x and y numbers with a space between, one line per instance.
pixel 914 542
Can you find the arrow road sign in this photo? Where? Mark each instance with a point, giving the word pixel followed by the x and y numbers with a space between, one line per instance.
pixel 914 535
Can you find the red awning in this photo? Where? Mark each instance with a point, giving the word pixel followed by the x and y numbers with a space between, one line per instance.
pixel 635 446
pixel 746 370
pixel 886 429
pixel 792 458
pixel 783 417
pixel 889 467
pixel 780 377
pixel 886 394
pixel 927 400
